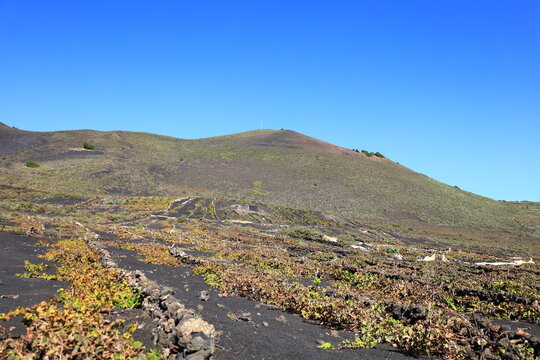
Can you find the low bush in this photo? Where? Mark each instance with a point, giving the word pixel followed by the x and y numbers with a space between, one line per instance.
pixel 300 232
pixel 88 146
pixel 370 154
pixel 32 164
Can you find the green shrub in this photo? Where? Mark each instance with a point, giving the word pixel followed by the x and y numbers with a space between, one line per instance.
pixel 300 232
pixel 370 154
pixel 88 146
pixel 32 164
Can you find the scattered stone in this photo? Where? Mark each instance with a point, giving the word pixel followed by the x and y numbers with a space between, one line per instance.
pixel 244 316
pixel 282 319
pixel 161 339
pixel 240 315
pixel 172 338
pixel 168 325
pixel 330 239
pixel 173 307
pixel 194 326
pixel 429 258
pixel 204 295
pixel 200 342
pixel 14 297
pixel 167 290
pixel 505 263
pixel 265 324
pixel 195 356
pixel 358 247
pixel 149 288
pixel 482 342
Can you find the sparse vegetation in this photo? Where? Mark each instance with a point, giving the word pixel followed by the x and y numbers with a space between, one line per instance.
pixel 326 346
pixel 370 154
pixel 419 307
pixel 88 146
pixel 257 189
pixel 300 232
pixel 32 164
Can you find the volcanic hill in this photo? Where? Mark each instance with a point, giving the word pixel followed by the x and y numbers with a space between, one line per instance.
pixel 276 167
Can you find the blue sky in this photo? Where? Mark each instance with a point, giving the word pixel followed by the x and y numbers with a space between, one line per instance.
pixel 450 89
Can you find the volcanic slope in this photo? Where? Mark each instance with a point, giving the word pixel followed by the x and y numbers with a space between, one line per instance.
pixel 278 167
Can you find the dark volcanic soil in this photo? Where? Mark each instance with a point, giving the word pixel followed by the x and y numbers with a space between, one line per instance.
pixel 267 333
pixel 71 154
pixel 14 291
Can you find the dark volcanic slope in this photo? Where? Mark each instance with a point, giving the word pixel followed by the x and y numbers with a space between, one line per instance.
pixel 12 140
pixel 278 167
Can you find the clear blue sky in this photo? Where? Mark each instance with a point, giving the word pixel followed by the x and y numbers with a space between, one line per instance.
pixel 448 88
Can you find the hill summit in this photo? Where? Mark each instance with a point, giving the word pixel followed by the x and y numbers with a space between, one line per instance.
pixel 274 167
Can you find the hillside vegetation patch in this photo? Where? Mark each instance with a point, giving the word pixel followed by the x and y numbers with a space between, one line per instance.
pixel 301 232
pixel 88 146
pixel 32 164
pixel 370 154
